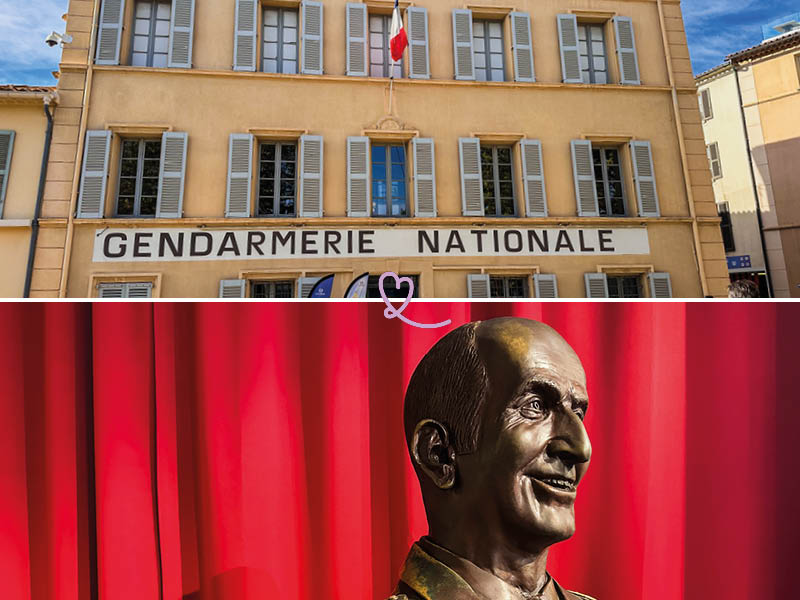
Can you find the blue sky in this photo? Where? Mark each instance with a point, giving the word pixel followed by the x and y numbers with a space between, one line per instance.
pixel 714 28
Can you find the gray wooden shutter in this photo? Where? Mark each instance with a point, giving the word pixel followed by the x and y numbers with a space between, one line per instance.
pixel 424 177
pixel 660 285
pixel 583 170
pixel 522 47
pixel 469 154
pixel 245 36
pixel 181 33
pixel 356 39
pixel 546 286
pixel 533 178
pixel 111 290
pixel 645 179
pixel 596 285
pixel 313 27
pixel 305 285
pixel 109 34
pixel 232 288
pixel 6 149
pixel 626 51
pixel 138 290
pixel 311 180
pixel 172 176
pixel 570 55
pixel 462 45
pixel 705 105
pixel 240 175
pixel 478 286
pixel 358 180
pixel 418 44
pixel 713 159
pixel 94 174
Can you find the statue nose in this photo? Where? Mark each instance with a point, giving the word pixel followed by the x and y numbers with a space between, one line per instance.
pixel 571 442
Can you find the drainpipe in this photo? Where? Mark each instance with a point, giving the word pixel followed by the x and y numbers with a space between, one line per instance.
pixel 48 101
pixel 735 66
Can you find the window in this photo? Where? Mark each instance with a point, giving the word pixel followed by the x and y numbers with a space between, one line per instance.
pixel 272 289
pixel 151 34
pixel 727 226
pixel 705 105
pixel 279 52
pixel 277 179
pixel 508 287
pixel 498 181
pixel 138 178
pixel 797 64
pixel 125 290
pixel 714 160
pixel 380 56
pixel 6 149
pixel 389 181
pixel 489 55
pixel 373 291
pixel 592 46
pixel 625 287
pixel 608 179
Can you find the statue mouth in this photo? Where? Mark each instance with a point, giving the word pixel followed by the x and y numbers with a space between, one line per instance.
pixel 553 484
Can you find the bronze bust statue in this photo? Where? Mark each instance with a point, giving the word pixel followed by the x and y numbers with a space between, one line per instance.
pixel 494 424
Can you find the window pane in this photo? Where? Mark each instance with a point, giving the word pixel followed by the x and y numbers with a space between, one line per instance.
pixel 152 149
pixel 289 35
pixel 398 154
pixel 140 43
pixel 495 29
pixel 399 208
pixel 290 18
pixel 516 287
pixel 504 155
pixel 128 168
pixel 507 189
pixel 150 168
pixel 379 171
pixel 150 187
pixel 148 206
pixel 162 28
pixel 127 186
pixel 267 189
pixel 398 172
pixel 477 29
pixel 287 206
pixel 266 206
pixel 283 289
pixel 271 17
pixel 497 288
pixel 130 149
pixel 480 60
pixel 288 152
pixel 490 206
pixel 270 50
pixel 164 10
pixel 398 189
pixel 160 61
pixel 161 45
pixel 379 154
pixel 125 206
pixel 288 171
pixel 267 170
pixel 143 10
pixel 379 207
pixel 495 45
pixel 379 189
pixel 267 151
pixel 287 189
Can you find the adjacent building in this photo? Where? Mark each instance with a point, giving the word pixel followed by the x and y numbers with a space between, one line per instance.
pixel 750 107
pixel 23 134
pixel 247 148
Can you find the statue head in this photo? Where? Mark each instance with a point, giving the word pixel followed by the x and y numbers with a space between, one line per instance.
pixel 494 423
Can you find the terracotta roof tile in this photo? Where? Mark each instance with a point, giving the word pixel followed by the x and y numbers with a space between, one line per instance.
pixel 32 89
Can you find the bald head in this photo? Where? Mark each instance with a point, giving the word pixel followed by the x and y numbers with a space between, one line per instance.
pixel 451 383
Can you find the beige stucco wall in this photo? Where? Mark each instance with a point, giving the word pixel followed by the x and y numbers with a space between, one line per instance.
pixel 735 187
pixel 26 118
pixel 211 101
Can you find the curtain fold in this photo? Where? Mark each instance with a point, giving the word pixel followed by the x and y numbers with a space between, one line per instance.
pixel 213 451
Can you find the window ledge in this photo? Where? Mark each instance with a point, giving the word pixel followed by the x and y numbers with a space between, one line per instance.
pixel 385 6
pixel 606 138
pixel 138 128
pixel 498 138
pixel 15 223
pixel 598 16
pixel 626 269
pixel 390 135
pixel 97 278
pixel 487 11
pixel 277 134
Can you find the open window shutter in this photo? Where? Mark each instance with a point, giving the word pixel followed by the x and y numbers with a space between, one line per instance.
pixel 181 33
pixel 570 56
pixel 139 290
pixel 626 51
pixel 469 153
pixel 111 290
pixel 424 177
pixel 533 178
pixel 596 285
pixel 462 45
pixel 358 192
pixel 311 161
pixel 713 159
pixel 311 58
pixel 94 174
pixel 6 149
pixel 240 173
pixel 245 36
pixel 356 39
pixel 231 288
pixel 522 47
pixel 546 286
pixel 660 285
pixel 478 286
pixel 420 63
pixel 585 189
pixel 172 176
pixel 645 180
pixel 305 285
pixel 705 104
pixel 109 34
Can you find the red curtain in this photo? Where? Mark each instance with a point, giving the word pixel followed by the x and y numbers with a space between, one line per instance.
pixel 237 452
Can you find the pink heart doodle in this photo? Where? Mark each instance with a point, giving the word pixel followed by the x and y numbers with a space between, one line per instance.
pixel 391 312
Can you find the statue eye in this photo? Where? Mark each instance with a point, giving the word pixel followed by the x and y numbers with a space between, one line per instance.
pixel 533 407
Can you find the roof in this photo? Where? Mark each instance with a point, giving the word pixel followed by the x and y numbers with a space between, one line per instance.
pixel 714 71
pixel 767 47
pixel 32 89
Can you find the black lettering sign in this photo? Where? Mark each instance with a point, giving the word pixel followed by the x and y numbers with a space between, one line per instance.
pixel 564 241
pixel 277 238
pixel 193 243
pixel 478 238
pixel 252 244
pixel 332 240
pixel 164 240
pixel 307 245
pixel 229 244
pixel 433 245
pixel 513 233
pixel 605 240
pixel 364 242
pixel 454 241
pixel 107 245
pixel 584 247
pixel 542 242
pixel 141 244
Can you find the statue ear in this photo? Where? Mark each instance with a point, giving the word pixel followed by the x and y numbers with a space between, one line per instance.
pixel 433 453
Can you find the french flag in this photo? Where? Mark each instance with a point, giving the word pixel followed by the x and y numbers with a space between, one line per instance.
pixel 398 40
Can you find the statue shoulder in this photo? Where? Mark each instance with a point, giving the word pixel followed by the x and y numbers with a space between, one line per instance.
pixel 398 597
pixel 579 596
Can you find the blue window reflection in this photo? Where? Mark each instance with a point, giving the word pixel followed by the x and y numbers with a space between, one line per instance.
pixel 389 181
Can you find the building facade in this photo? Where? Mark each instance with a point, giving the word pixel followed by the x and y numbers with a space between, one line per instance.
pixel 750 106
pixel 248 148
pixel 23 132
